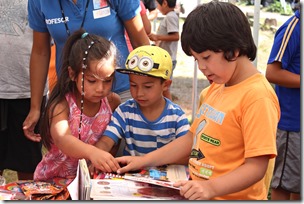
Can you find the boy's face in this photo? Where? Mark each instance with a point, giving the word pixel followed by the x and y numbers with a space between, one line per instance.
pixel 162 7
pixel 147 91
pixel 215 67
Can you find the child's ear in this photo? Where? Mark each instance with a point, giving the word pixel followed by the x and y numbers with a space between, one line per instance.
pixel 71 73
pixel 167 84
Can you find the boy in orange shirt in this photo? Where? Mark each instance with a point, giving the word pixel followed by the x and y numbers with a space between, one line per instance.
pixel 233 135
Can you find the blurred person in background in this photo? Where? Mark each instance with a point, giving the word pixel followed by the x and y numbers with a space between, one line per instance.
pixel 59 19
pixel 283 70
pixel 151 6
pixel 17 153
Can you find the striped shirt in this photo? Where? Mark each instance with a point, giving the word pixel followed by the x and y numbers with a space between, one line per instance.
pixel 141 135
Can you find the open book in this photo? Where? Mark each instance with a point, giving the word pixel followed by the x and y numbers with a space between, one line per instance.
pixel 130 186
pixel 121 189
pixel 162 176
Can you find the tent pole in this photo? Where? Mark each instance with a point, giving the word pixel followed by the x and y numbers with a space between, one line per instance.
pixel 256 26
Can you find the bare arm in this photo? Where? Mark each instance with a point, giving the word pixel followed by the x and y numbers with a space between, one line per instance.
pixel 146 23
pixel 152 15
pixel 169 37
pixel 105 143
pixel 173 153
pixel 73 146
pixel 252 171
pixel 39 65
pixel 136 32
pixel 275 74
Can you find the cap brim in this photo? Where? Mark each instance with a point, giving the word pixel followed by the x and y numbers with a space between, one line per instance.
pixel 128 71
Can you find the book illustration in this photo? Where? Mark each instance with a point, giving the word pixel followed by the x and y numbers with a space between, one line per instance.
pixel 165 175
pixel 121 189
pixel 152 176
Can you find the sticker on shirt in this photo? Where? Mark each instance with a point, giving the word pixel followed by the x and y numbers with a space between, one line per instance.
pixel 100 13
pixel 99 4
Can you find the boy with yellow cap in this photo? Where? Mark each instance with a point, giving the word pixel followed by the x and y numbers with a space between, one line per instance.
pixel 148 121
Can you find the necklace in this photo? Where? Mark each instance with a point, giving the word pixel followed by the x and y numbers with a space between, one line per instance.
pixel 64 20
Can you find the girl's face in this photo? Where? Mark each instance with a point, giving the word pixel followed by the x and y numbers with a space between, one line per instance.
pixel 147 91
pixel 215 67
pixel 98 79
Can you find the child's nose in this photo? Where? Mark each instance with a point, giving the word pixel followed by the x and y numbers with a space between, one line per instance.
pixel 99 86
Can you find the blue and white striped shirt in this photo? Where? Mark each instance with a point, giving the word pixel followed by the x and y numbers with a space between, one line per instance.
pixel 141 135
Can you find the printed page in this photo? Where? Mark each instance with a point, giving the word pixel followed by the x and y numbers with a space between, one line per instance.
pixel 121 189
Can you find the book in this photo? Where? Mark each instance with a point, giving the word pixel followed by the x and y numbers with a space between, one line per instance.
pixel 111 186
pixel 79 188
pixel 122 189
pixel 164 176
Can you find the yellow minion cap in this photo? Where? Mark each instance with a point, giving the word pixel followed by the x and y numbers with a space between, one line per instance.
pixel 150 61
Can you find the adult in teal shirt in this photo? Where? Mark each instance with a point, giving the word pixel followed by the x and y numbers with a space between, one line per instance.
pixel 57 19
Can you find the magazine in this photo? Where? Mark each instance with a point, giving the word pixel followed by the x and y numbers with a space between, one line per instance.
pixel 121 189
pixel 162 176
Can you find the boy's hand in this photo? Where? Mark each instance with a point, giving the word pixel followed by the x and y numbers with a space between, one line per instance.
pixel 194 190
pixel 153 37
pixel 129 163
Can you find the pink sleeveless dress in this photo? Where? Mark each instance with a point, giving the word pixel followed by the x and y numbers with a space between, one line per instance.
pixel 55 163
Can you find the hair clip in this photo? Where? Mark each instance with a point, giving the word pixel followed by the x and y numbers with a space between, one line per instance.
pixel 84 35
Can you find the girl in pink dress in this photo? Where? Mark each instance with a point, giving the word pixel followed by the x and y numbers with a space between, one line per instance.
pixel 79 108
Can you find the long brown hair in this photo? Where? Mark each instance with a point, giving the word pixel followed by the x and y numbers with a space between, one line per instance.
pixel 73 56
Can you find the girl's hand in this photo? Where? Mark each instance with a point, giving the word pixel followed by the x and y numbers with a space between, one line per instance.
pixel 129 163
pixel 103 161
pixel 195 190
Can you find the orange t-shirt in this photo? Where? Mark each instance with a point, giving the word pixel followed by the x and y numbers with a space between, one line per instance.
pixel 232 124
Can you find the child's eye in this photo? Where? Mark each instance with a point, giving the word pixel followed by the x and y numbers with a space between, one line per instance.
pixel 107 80
pixel 205 58
pixel 91 81
pixel 148 87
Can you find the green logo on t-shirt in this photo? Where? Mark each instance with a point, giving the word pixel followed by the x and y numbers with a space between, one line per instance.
pixel 210 140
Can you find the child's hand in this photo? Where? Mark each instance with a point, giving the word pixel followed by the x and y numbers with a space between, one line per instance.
pixel 104 161
pixel 153 37
pixel 131 163
pixel 195 190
